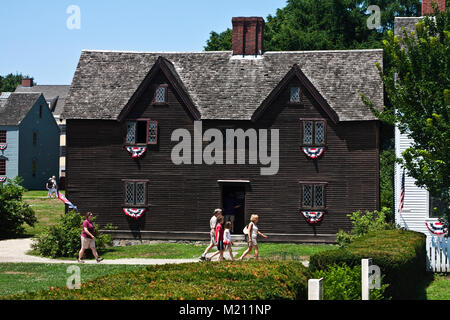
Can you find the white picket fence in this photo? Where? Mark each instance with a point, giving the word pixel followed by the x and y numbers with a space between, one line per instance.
pixel 437 254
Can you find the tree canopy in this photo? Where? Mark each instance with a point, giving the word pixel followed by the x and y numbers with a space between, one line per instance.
pixel 417 83
pixel 10 82
pixel 324 25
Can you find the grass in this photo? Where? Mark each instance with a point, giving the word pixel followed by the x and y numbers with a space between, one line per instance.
pixel 289 251
pixel 20 278
pixel 208 281
pixel 439 288
pixel 47 211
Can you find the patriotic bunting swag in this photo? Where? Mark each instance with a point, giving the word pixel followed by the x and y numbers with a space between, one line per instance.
pixel 3 146
pixel 134 213
pixel 312 152
pixel 436 228
pixel 67 202
pixel 136 152
pixel 313 217
pixel 2 179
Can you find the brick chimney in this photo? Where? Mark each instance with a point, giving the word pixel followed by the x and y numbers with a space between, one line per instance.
pixel 248 36
pixel 27 82
pixel 427 7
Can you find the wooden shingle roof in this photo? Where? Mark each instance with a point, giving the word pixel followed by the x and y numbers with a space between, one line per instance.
pixel 16 107
pixel 222 86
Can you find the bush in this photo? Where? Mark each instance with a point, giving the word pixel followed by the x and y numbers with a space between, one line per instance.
pixel 344 283
pixel 14 212
pixel 228 280
pixel 364 223
pixel 63 238
pixel 400 254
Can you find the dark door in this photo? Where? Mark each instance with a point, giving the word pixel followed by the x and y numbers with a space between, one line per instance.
pixel 233 204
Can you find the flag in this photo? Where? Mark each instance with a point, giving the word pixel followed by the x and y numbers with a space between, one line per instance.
pixel 402 193
pixel 64 199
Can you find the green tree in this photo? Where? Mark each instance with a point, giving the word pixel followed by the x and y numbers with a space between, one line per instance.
pixel 14 212
pixel 10 82
pixel 417 83
pixel 324 25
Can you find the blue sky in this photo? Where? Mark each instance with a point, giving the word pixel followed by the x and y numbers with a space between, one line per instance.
pixel 37 42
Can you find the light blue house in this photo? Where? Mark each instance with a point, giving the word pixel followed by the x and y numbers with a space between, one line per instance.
pixel 29 139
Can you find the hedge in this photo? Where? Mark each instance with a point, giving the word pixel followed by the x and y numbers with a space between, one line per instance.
pixel 400 254
pixel 235 280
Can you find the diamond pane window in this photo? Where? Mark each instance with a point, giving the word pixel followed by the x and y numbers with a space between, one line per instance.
pixel 153 132
pixel 307 195
pixel 313 196
pixel 295 95
pixel 160 95
pixel 318 196
pixel 307 132
pixel 135 193
pixel 129 193
pixel 2 136
pixel 319 132
pixel 2 166
pixel 131 132
pixel 140 193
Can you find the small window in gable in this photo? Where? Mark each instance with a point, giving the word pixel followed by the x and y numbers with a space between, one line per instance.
pixel 294 95
pixel 161 94
pixel 142 132
pixel 313 196
pixel 314 132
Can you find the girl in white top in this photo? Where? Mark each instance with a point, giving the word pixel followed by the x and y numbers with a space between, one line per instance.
pixel 227 239
pixel 252 235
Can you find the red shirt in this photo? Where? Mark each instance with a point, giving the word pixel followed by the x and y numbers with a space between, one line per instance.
pixel 219 232
pixel 87 224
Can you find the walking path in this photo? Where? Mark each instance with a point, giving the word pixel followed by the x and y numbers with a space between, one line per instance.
pixel 15 251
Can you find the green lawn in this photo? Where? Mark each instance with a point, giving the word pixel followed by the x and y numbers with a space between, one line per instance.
pixel 18 278
pixel 47 211
pixel 439 288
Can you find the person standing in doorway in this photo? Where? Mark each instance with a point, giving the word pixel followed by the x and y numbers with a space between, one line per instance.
pixel 212 232
pixel 230 204
pixel 88 239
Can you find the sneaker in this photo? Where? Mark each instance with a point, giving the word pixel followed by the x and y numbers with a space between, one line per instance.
pixel 202 258
pixel 99 259
pixel 80 261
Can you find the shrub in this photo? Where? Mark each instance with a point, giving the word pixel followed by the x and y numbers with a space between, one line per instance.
pixel 14 212
pixel 63 238
pixel 363 223
pixel 228 280
pixel 340 282
pixel 400 254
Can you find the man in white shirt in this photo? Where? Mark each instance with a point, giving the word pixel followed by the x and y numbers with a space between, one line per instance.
pixel 212 226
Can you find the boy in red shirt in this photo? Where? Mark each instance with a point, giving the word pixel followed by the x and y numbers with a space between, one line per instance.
pixel 219 237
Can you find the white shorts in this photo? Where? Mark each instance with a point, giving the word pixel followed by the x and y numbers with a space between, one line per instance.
pixel 253 242
pixel 87 243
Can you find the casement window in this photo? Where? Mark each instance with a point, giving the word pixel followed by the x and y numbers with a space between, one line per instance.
pixel 2 167
pixel 161 94
pixel 294 96
pixel 314 132
pixel 313 196
pixel 34 138
pixel 142 131
pixel 2 136
pixel 436 207
pixel 135 193
pixel 33 167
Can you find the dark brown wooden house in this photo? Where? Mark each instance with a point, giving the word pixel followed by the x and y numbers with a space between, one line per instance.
pixel 328 140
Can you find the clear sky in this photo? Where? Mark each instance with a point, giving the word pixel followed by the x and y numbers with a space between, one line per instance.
pixel 36 40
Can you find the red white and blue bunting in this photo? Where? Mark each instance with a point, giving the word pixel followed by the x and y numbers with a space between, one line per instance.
pixel 313 152
pixel 313 217
pixel 66 201
pixel 134 213
pixel 436 228
pixel 136 152
pixel 3 146
pixel 2 179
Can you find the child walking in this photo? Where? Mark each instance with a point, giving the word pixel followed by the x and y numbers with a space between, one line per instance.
pixel 227 239
pixel 252 235
pixel 219 237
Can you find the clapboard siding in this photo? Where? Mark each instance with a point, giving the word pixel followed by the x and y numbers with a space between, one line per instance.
pixel 416 202
pixel 183 197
